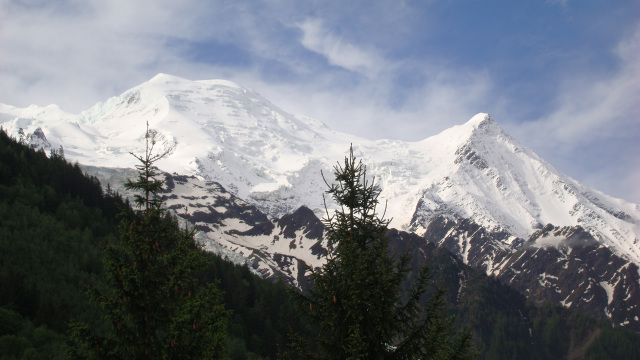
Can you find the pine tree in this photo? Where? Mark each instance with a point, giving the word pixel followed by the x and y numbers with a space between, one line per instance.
pixel 154 307
pixel 357 297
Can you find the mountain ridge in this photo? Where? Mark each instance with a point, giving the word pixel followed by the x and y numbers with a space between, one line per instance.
pixel 221 132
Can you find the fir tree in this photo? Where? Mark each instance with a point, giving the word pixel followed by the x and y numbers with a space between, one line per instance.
pixel 154 307
pixel 357 297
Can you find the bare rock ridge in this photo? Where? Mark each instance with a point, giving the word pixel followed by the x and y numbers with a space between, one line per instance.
pixel 566 265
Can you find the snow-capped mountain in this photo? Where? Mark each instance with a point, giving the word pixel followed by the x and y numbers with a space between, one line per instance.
pixel 238 231
pixel 251 176
pixel 272 159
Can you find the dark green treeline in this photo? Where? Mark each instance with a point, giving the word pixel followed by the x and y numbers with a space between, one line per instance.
pixel 53 221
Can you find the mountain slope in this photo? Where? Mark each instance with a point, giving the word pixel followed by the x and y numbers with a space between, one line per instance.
pixel 36 191
pixel 251 176
pixel 222 132
pixel 565 265
pixel 501 185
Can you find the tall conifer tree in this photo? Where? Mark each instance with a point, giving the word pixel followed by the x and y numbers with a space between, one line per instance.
pixel 357 298
pixel 154 307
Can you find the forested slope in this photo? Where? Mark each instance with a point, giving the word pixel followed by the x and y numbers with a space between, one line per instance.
pixel 53 223
pixel 54 220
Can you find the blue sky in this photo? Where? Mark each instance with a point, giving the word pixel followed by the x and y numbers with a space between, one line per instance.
pixel 563 77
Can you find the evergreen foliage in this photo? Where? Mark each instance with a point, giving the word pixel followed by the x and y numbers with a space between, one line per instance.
pixel 263 313
pixel 53 219
pixel 356 297
pixel 155 306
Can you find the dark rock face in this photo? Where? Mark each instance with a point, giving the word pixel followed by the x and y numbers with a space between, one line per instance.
pixel 565 265
pixel 476 246
pixel 214 205
pixel 38 140
pixel 466 153
pixel 302 219
pixel 216 211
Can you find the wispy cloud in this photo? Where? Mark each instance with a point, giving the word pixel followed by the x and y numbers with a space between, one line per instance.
pixel 374 69
pixel 384 107
pixel 596 119
pixel 603 105
pixel 337 51
pixel 77 53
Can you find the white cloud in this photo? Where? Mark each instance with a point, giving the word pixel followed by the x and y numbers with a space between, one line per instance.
pixel 588 107
pixel 595 106
pixel 445 98
pixel 76 53
pixel 595 116
pixel 81 55
pixel 100 49
pixel 337 51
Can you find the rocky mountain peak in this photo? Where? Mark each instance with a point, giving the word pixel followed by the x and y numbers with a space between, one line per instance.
pixel 481 121
pixel 38 140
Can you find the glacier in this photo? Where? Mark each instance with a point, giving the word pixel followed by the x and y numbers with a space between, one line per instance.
pixel 224 133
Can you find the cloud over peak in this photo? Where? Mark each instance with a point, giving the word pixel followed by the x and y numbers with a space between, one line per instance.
pixel 337 51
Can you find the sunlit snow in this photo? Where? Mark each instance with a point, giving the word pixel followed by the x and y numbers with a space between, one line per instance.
pixel 222 132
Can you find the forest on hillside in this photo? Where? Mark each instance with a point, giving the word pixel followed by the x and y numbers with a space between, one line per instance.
pixel 55 224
